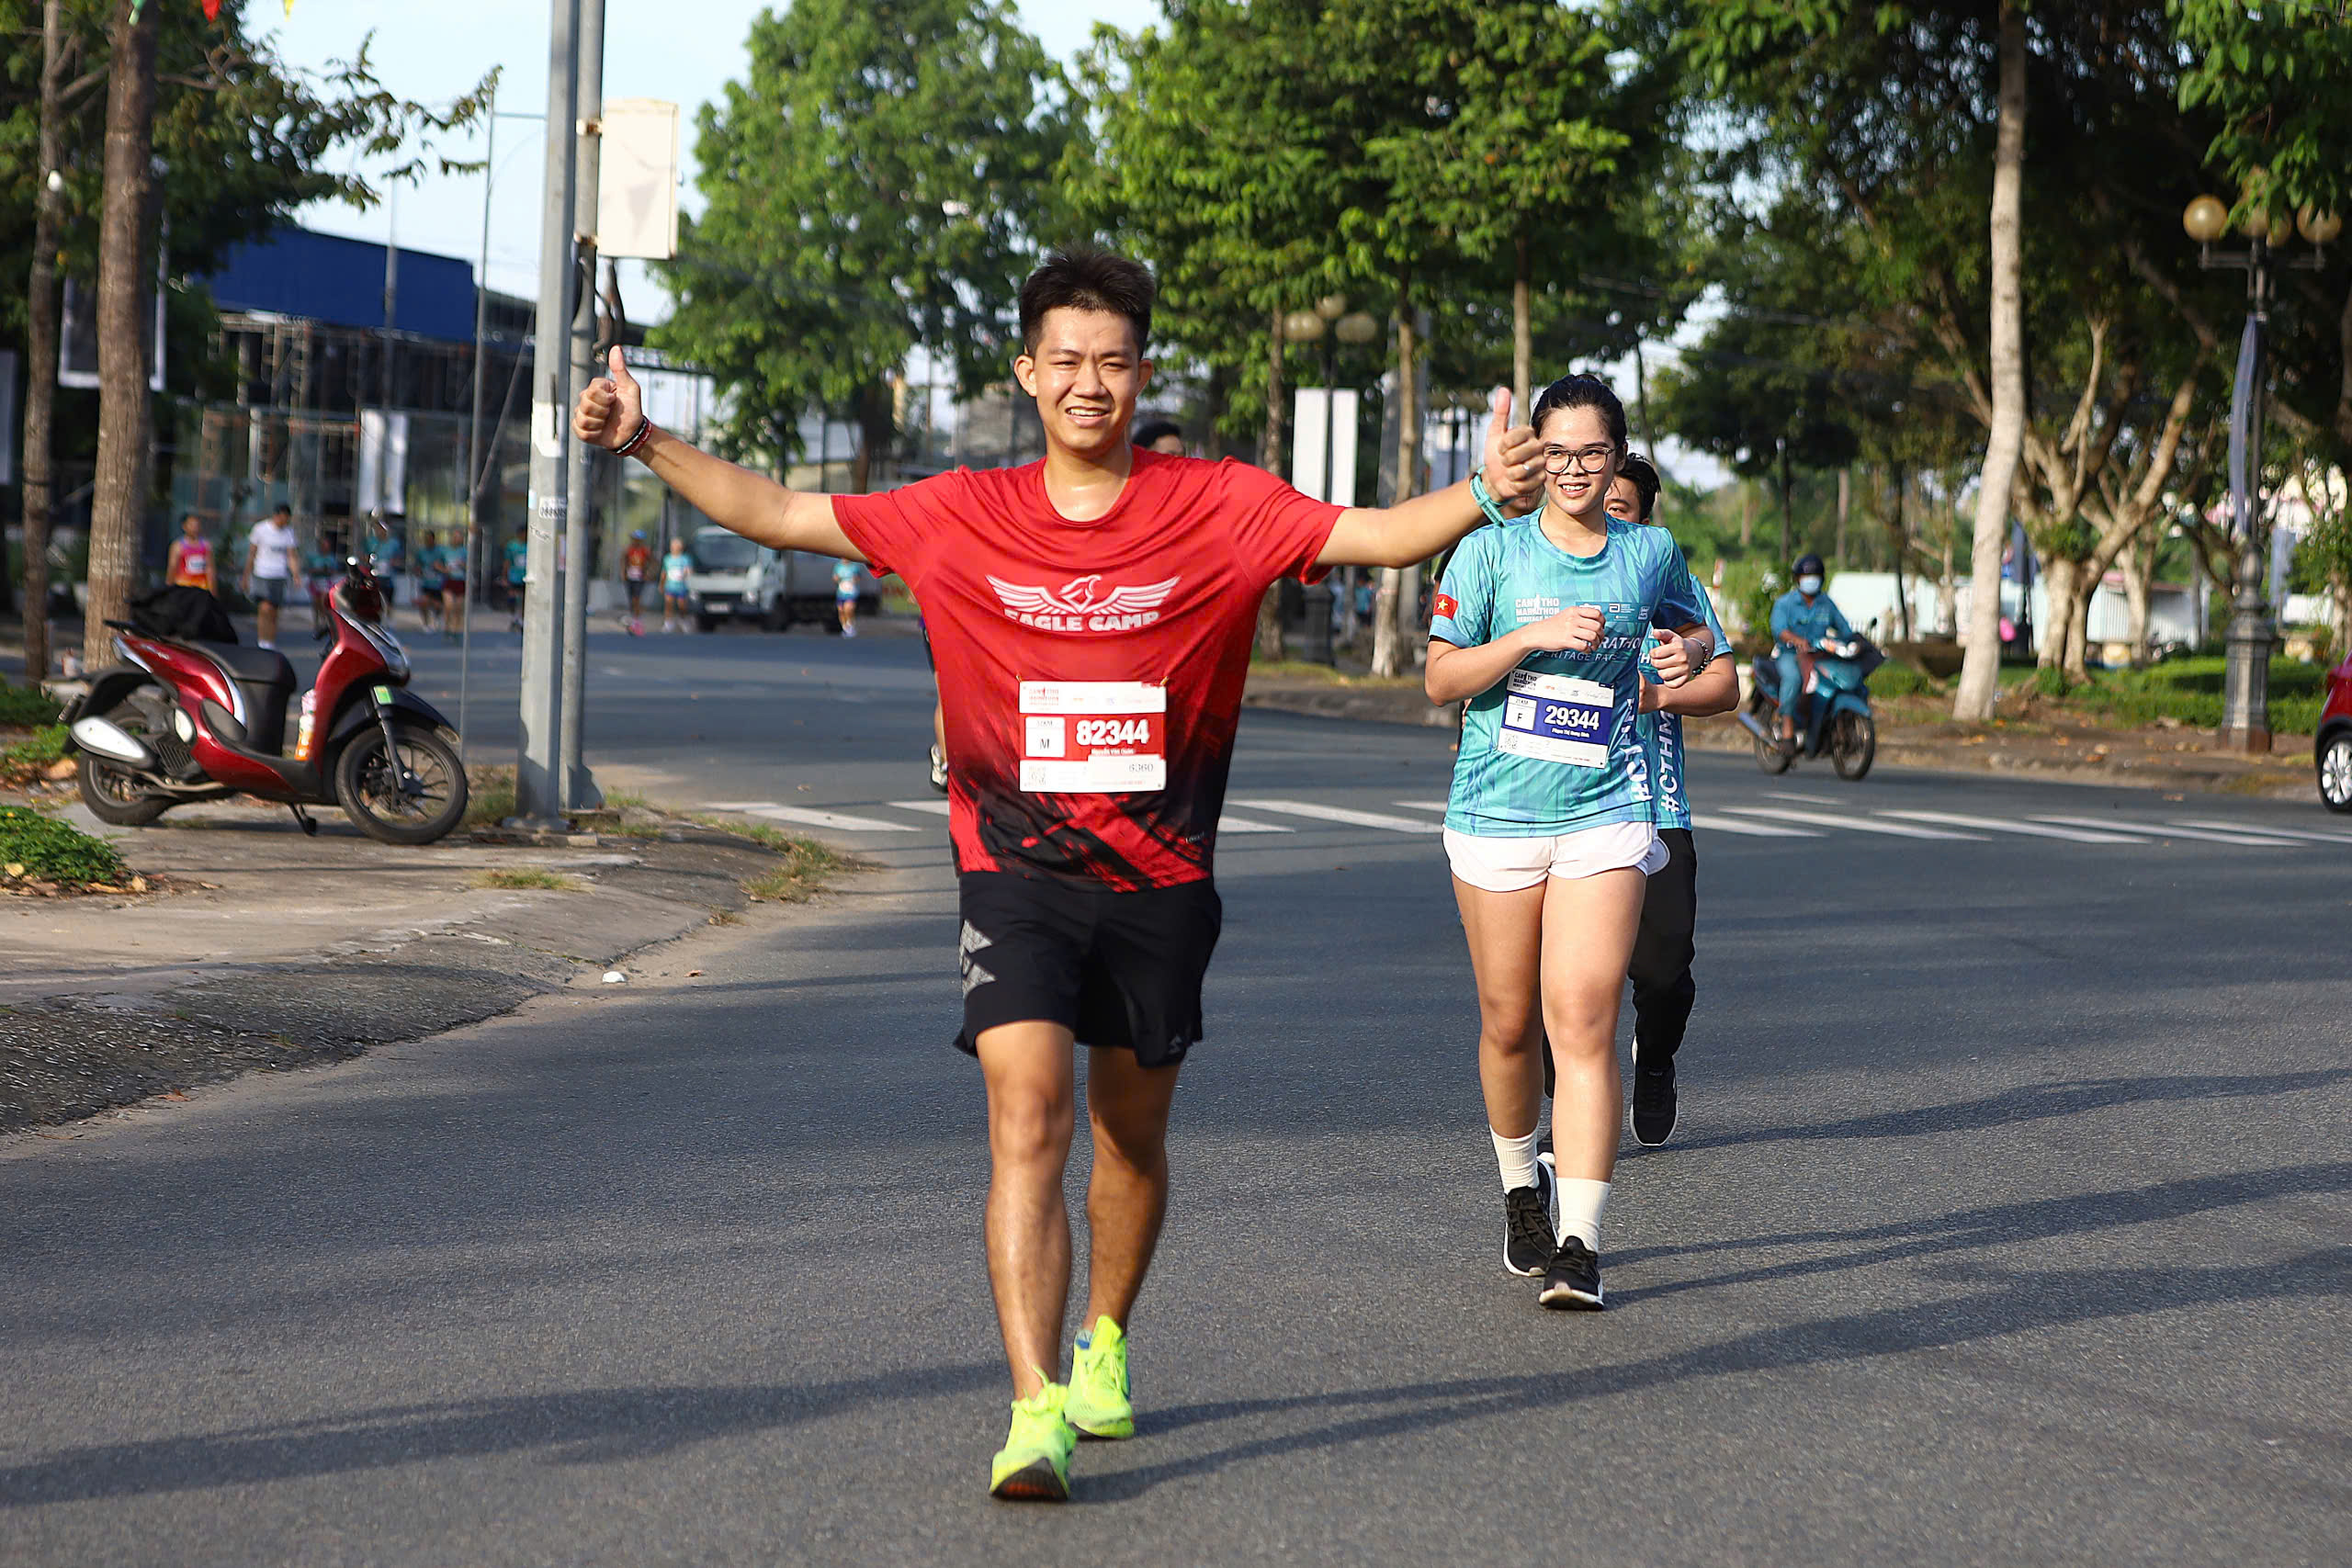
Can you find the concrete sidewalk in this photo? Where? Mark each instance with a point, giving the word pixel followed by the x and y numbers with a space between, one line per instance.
pixel 265 948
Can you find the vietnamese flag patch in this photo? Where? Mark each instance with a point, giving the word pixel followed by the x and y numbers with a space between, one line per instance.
pixel 1445 606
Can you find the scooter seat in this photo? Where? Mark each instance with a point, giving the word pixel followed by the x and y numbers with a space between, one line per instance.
pixel 250 666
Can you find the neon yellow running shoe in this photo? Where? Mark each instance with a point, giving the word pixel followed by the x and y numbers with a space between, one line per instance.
pixel 1098 1406
pixel 1033 1465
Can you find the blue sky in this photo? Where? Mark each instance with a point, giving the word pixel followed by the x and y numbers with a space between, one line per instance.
pixel 432 51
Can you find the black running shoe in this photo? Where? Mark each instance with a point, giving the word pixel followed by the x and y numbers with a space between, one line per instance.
pixel 1654 1107
pixel 1573 1281
pixel 1530 1219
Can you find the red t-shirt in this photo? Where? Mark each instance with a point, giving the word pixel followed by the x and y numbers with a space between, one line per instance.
pixel 1091 672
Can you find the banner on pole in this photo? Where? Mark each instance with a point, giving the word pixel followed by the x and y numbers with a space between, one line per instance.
pixel 1311 408
pixel 637 179
pixel 384 464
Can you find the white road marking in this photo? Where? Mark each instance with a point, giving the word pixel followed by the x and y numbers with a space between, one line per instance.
pixel 2265 830
pixel 1714 824
pixel 2246 840
pixel 1243 825
pixel 2030 829
pixel 808 817
pixel 1436 805
pixel 1340 814
pixel 1857 824
pixel 1804 799
pixel 928 808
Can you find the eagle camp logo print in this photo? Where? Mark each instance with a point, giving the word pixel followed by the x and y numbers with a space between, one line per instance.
pixel 1083 605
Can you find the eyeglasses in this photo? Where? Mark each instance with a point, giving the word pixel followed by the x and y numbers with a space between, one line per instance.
pixel 1559 460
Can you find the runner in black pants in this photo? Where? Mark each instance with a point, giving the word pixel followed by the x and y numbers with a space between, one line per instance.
pixel 1664 945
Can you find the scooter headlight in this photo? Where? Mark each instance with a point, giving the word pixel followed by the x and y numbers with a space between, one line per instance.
pixel 388 647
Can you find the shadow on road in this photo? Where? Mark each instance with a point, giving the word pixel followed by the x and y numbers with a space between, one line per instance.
pixel 2032 1102
pixel 590 1426
pixel 2012 1303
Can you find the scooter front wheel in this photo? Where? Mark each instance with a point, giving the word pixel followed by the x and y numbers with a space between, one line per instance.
pixel 413 795
pixel 1770 755
pixel 1853 744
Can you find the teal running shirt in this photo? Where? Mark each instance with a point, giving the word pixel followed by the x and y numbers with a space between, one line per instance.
pixel 1555 745
pixel 1662 732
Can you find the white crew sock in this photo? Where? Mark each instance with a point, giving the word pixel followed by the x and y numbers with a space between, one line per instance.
pixel 1515 1158
pixel 1581 1201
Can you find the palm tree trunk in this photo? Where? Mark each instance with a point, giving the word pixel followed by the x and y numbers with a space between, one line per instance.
pixel 1979 673
pixel 1523 335
pixel 1397 604
pixel 1270 608
pixel 126 414
pixel 40 343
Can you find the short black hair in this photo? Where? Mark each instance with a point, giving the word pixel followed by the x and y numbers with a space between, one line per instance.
pixel 1153 430
pixel 1584 391
pixel 283 509
pixel 1644 473
pixel 1085 277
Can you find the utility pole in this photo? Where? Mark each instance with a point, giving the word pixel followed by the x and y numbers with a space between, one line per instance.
pixel 577 787
pixel 538 800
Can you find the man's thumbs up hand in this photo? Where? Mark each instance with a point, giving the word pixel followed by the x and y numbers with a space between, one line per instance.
pixel 610 411
pixel 1512 467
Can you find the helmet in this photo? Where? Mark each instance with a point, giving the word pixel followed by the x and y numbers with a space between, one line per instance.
pixel 637 534
pixel 1808 565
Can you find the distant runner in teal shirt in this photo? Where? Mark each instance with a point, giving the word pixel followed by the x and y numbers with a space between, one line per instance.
pixel 1544 625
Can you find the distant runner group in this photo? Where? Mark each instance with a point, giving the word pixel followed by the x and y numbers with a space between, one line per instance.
pixel 1091 615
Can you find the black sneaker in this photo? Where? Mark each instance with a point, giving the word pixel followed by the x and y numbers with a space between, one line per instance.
pixel 1531 1218
pixel 1654 1112
pixel 1573 1281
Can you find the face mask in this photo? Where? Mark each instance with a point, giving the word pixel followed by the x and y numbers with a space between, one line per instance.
pixel 1808 586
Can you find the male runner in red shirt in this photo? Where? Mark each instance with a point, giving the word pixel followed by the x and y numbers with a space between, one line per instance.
pixel 1092 616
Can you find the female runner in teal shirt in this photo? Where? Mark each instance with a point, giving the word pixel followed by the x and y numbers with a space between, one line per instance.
pixel 1545 623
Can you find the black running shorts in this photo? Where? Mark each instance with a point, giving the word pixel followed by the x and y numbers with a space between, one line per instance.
pixel 1116 969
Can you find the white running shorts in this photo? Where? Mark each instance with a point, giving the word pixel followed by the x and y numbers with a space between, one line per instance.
pixel 1512 865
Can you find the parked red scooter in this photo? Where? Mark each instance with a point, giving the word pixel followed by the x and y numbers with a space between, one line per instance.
pixel 184 720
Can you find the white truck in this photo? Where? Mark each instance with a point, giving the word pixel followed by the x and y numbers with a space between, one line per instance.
pixel 733 576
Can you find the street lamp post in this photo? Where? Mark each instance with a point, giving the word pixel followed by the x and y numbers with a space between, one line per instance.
pixel 1329 324
pixel 2245 680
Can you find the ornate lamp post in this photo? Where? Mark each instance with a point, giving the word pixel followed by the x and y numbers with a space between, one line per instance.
pixel 1330 323
pixel 2245 680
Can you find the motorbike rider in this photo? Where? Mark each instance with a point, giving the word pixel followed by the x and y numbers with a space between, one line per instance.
pixel 1803 620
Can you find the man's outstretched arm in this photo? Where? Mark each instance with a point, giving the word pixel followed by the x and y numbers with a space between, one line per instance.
pixel 1412 531
pixel 612 414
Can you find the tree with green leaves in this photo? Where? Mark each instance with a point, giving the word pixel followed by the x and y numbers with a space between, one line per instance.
pixel 879 181
pixel 243 139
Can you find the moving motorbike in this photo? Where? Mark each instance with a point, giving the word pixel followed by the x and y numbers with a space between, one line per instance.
pixel 1833 709
pixel 187 718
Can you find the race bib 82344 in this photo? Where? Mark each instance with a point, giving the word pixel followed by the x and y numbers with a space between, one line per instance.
pixel 1093 737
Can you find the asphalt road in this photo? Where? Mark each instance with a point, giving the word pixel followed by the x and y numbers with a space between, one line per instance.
pixel 2008 1221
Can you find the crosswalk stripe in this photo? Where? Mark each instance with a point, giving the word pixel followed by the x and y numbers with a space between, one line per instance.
pixel 1436 805
pixel 928 808
pixel 808 817
pixel 1340 814
pixel 1243 825
pixel 2266 829
pixel 2245 839
pixel 1857 824
pixel 2030 829
pixel 1714 824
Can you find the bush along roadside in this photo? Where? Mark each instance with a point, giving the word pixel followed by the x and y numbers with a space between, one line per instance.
pixel 42 857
